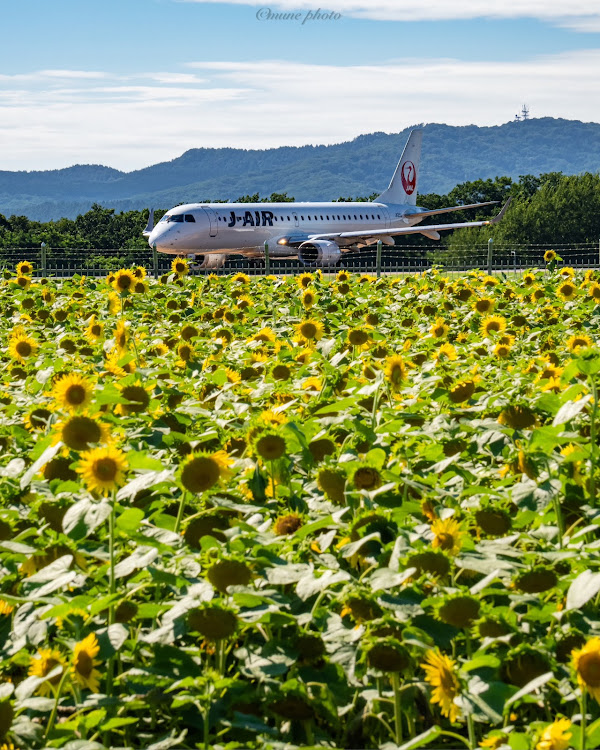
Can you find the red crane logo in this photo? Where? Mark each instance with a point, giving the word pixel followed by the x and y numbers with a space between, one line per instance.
pixel 409 177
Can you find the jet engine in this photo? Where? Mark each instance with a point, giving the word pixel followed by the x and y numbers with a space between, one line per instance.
pixel 209 261
pixel 319 253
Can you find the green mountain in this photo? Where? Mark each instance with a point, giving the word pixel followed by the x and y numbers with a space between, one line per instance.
pixel 451 155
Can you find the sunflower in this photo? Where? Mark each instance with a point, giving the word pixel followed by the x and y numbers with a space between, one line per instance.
pixel 549 256
pixel 287 525
pixel 23 281
pixel 269 445
pixel 79 433
pixel 138 398
pixel 493 324
pixel 528 278
pixel 395 371
pixel 332 481
pixel 139 272
pixel 462 391
pixel 308 298
pixel 42 664
pixel 94 330
pixel 37 419
pixel 124 280
pixel 202 471
pixel 310 330
pixel 567 291
pixel 366 478
pixel 103 469
pixel 121 337
pixel 358 337
pixel 484 305
pixel 305 280
pixel 140 287
pixel 439 328
pixel 73 392
pixel 84 666
pixel 446 351
pixel 594 292
pixel 502 351
pixel 556 736
pixel 180 267
pixel 577 341
pixel 266 335
pixel 188 332
pixel 440 674
pixel 459 610
pixel 5 608
pixel 586 663
pixel 21 346
pixel 447 535
pixel 241 278
pixel 24 268
pixel 214 623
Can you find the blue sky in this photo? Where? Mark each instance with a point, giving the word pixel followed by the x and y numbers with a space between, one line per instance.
pixel 129 83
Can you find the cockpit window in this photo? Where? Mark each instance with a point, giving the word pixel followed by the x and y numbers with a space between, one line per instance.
pixel 190 218
pixel 174 217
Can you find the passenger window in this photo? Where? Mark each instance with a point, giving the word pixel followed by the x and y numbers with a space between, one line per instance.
pixel 378 216
pixel 288 218
pixel 354 217
pixel 302 217
pixel 327 217
pixel 321 218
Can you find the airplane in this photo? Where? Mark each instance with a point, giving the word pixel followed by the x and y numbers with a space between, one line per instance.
pixel 315 233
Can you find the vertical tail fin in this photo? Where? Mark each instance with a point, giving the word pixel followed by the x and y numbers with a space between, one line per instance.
pixel 403 185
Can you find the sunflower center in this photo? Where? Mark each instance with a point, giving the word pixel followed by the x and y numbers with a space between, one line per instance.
pixel 23 348
pixel 106 469
pixel 124 282
pixel 75 394
pixel 84 664
pixel 309 330
pixel 445 540
pixel 96 330
pixel 589 669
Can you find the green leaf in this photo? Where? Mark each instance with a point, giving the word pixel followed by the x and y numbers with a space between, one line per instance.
pixel 130 519
pixel 529 688
pixel 420 740
pixel 570 409
pixel 582 589
pixel 84 517
pixel 344 403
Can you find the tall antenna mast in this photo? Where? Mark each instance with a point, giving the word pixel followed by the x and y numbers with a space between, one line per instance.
pixel 524 112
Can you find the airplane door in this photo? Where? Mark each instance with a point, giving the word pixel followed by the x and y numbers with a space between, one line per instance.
pixel 295 219
pixel 213 219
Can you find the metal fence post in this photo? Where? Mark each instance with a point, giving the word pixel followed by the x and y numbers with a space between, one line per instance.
pixel 378 258
pixel 155 261
pixel 489 258
pixel 43 258
pixel 267 259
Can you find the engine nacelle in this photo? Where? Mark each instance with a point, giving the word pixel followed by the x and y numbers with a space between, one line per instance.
pixel 209 261
pixel 319 253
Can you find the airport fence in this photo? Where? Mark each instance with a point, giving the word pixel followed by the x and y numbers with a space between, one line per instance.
pixel 493 258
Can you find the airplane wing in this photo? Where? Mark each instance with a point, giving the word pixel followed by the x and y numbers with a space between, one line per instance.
pixel 434 212
pixel 430 229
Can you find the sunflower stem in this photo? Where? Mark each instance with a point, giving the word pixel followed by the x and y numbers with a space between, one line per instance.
pixel 180 512
pixel 112 586
pixel 59 690
pixel 583 726
pixel 559 521
pixel 593 441
pixel 471 729
pixel 397 707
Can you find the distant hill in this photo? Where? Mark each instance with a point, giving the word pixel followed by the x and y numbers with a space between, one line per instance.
pixel 451 155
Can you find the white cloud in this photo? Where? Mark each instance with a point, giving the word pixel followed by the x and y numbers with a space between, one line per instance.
pixel 130 122
pixel 577 14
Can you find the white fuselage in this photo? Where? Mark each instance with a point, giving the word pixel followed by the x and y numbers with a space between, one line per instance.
pixel 200 228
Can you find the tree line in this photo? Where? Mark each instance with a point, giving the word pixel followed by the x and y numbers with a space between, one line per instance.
pixel 546 209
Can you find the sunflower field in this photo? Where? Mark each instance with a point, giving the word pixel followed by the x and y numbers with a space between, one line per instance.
pixel 312 511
